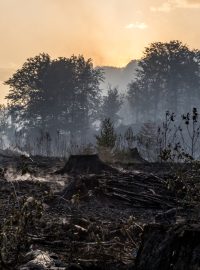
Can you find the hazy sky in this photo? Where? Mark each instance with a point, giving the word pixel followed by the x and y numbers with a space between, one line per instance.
pixel 111 32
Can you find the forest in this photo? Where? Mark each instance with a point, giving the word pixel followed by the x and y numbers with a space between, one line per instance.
pixel 101 178
pixel 57 105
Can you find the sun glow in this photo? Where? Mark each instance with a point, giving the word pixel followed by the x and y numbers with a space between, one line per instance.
pixel 110 32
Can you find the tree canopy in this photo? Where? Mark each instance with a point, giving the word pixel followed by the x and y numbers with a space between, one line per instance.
pixel 55 94
pixel 168 77
pixel 111 105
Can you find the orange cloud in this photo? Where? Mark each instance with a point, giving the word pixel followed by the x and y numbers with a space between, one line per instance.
pixel 173 4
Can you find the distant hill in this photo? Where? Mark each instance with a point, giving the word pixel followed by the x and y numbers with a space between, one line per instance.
pixel 119 77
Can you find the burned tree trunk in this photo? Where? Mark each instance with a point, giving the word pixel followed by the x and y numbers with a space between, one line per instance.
pixel 80 165
pixel 169 247
pixel 85 164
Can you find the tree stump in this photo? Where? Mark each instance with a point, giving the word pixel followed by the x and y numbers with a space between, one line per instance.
pixel 85 164
pixel 131 155
pixel 169 247
pixel 135 156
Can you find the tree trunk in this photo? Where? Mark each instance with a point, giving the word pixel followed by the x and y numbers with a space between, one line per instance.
pixel 169 247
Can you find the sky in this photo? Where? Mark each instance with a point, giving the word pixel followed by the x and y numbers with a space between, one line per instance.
pixel 111 32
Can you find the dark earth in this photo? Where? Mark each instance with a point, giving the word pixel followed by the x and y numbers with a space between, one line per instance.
pixel 85 214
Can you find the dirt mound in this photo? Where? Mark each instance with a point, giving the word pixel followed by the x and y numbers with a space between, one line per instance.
pixel 135 156
pixel 85 164
pixel 131 156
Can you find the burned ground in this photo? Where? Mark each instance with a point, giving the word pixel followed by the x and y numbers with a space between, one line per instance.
pixel 87 219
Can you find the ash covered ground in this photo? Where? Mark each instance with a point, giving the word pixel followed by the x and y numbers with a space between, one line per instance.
pixel 58 215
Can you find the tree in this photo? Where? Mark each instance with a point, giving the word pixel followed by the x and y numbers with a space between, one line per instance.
pixel 107 137
pixel 147 141
pixel 111 105
pixel 190 138
pixel 167 79
pixel 25 88
pixel 55 94
pixel 138 104
pixel 4 125
pixel 129 137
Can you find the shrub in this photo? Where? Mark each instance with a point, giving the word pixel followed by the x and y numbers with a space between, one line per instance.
pixel 107 137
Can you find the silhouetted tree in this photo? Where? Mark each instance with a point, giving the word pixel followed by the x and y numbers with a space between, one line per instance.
pixel 137 100
pixel 55 94
pixel 111 105
pixel 4 125
pixel 107 137
pixel 168 78
pixel 190 138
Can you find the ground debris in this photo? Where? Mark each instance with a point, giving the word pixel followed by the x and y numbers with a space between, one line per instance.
pixel 87 221
pixel 138 189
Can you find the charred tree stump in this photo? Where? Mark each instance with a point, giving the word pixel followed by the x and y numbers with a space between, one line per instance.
pixel 135 156
pixel 79 185
pixel 169 247
pixel 85 164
